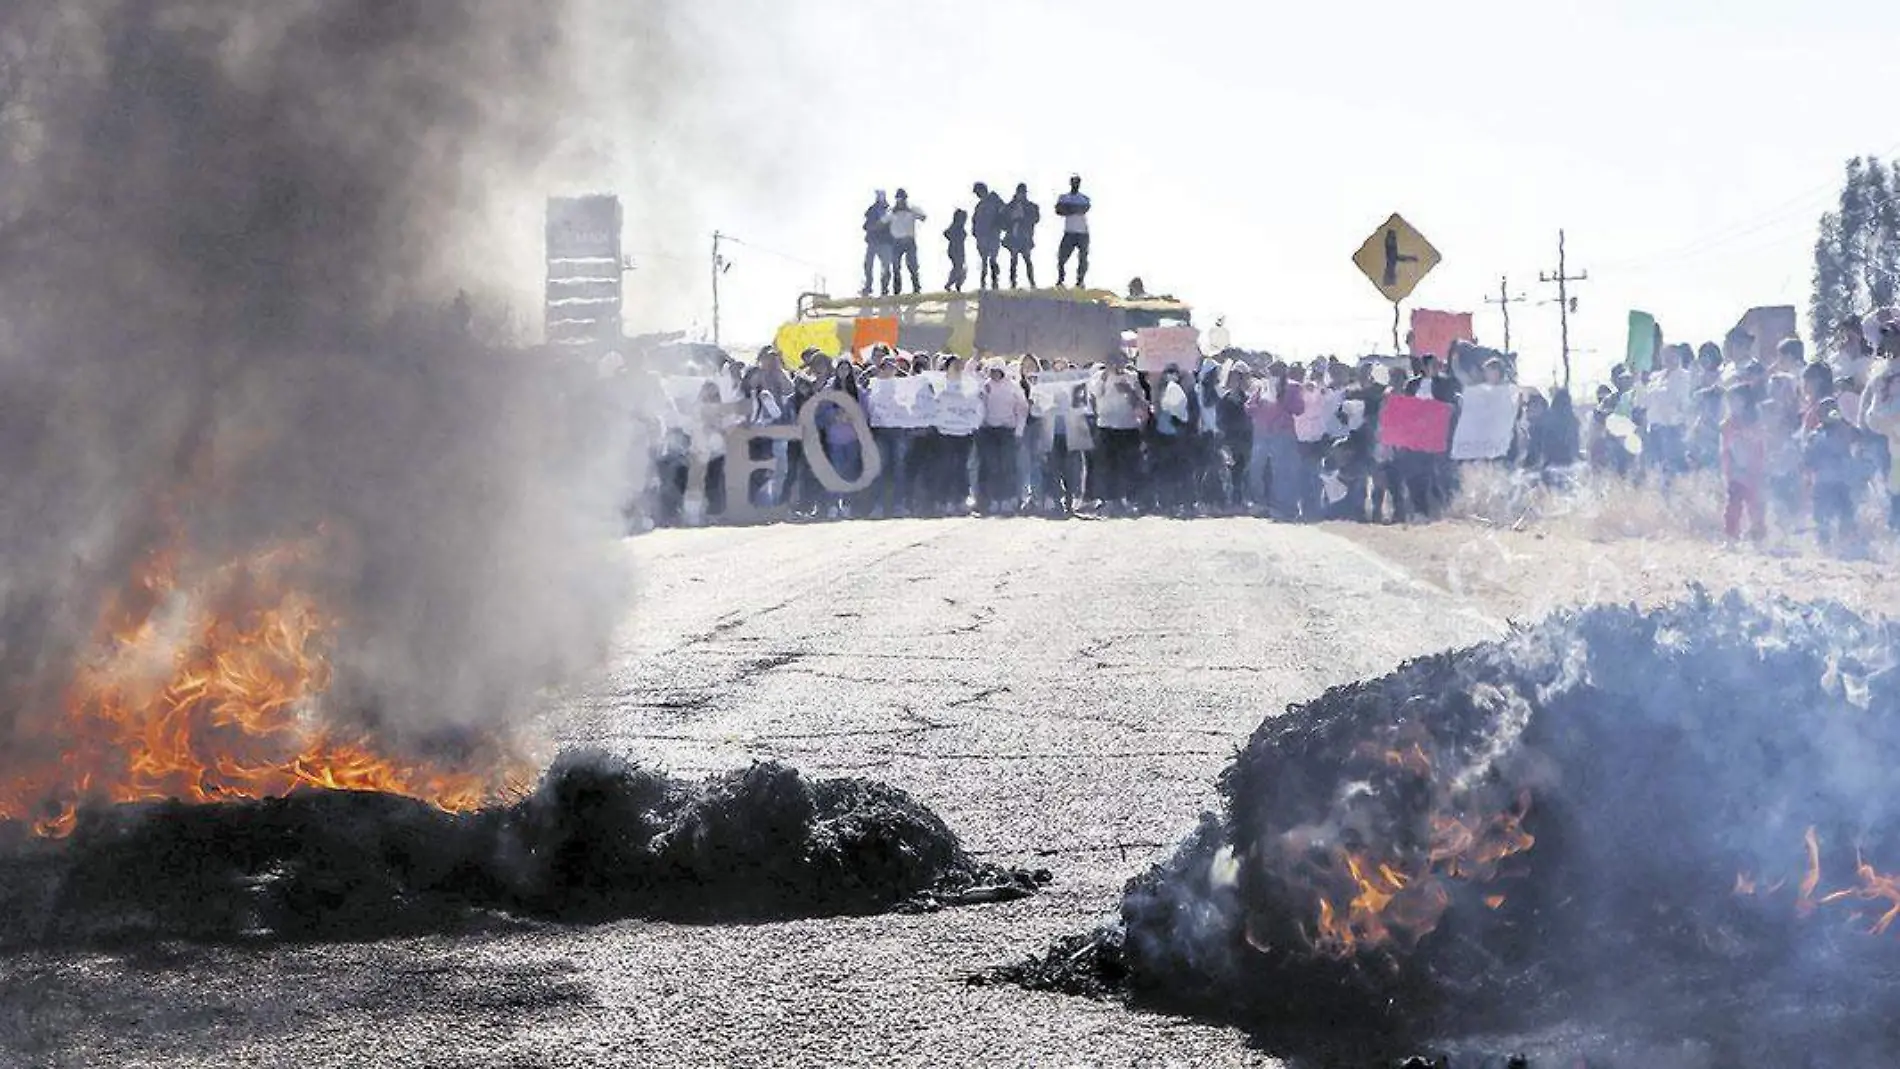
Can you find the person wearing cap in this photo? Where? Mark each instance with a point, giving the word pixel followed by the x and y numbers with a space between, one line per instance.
pixel 1073 208
pixel 904 218
pixel 878 250
pixel 986 226
pixel 1019 234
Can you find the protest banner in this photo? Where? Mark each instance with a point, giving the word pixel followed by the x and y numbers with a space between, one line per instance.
pixel 820 334
pixel 1486 418
pixel 1049 327
pixel 1645 338
pixel 1415 423
pixel 1433 332
pixel 1162 347
pixel 899 396
pixel 1060 398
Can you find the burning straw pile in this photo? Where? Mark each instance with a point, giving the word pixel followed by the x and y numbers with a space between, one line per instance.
pixel 597 839
pixel 1675 823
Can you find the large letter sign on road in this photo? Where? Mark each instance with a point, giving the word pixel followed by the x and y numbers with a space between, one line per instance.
pixel 1396 258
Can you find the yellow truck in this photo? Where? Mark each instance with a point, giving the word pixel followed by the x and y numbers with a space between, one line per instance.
pixel 1079 325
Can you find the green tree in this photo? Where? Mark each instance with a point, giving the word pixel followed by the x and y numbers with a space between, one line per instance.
pixel 1880 187
pixel 1828 305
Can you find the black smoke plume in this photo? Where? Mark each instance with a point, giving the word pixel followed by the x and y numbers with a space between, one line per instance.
pixel 1689 794
pixel 232 236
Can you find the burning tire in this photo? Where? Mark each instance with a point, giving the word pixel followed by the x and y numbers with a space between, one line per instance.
pixel 1676 822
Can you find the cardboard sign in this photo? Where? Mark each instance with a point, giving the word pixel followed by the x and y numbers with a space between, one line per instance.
pixel 898 397
pixel 1162 347
pixel 1433 332
pixel 881 330
pixel 1645 338
pixel 1049 327
pixel 820 334
pixel 1415 423
pixel 1487 415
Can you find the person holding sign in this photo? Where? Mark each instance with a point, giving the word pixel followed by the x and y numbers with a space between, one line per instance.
pixel 1005 414
pixel 1073 207
pixel 1120 411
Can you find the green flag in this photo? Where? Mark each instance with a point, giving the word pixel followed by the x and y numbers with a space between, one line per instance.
pixel 1645 340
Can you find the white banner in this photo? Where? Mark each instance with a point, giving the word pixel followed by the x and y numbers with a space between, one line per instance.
pixel 1486 417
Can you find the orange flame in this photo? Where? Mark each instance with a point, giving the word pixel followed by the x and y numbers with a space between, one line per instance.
pixel 1370 902
pixel 1873 886
pixel 204 692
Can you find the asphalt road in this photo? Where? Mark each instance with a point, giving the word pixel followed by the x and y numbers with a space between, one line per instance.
pixel 1064 694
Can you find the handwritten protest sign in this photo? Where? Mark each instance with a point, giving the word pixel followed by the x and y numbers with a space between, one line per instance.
pixel 1162 347
pixel 1415 423
pixel 898 398
pixel 1486 418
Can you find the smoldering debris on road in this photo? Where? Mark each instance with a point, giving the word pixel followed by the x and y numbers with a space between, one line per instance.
pixel 1669 825
pixel 598 839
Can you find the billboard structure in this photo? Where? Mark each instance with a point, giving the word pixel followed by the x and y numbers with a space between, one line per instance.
pixel 584 263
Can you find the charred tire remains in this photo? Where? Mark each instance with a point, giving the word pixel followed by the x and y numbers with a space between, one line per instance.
pixel 598 839
pixel 1676 824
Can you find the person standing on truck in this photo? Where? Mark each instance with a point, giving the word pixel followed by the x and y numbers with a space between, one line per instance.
pixel 1073 207
pixel 1019 234
pixel 877 245
pixel 903 222
pixel 957 236
pixel 986 226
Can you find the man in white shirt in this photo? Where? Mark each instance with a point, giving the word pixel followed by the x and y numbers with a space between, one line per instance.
pixel 1669 402
pixel 904 219
pixel 1073 208
pixel 1120 412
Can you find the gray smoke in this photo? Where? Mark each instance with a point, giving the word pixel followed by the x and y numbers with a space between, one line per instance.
pixel 232 236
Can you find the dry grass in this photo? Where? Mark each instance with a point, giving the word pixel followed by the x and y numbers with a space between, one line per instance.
pixel 1600 507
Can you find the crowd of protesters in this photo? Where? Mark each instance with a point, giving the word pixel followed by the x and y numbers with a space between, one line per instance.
pixel 1801 441
pixel 996 225
pixel 1236 434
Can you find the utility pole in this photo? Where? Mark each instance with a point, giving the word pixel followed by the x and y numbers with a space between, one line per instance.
pixel 1563 279
pixel 1504 301
pixel 718 268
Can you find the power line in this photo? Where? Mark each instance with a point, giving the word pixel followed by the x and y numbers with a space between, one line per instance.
pixel 1788 209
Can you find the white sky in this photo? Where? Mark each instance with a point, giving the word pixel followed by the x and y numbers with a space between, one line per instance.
pixel 1238 153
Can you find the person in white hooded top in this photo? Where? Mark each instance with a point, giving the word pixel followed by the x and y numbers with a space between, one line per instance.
pixel 959 413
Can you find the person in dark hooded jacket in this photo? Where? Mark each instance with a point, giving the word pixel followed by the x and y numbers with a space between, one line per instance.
pixel 986 226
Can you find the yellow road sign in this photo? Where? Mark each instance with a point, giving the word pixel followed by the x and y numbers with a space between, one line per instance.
pixel 1396 258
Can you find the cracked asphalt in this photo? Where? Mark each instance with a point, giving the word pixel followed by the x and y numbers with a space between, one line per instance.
pixel 1063 694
